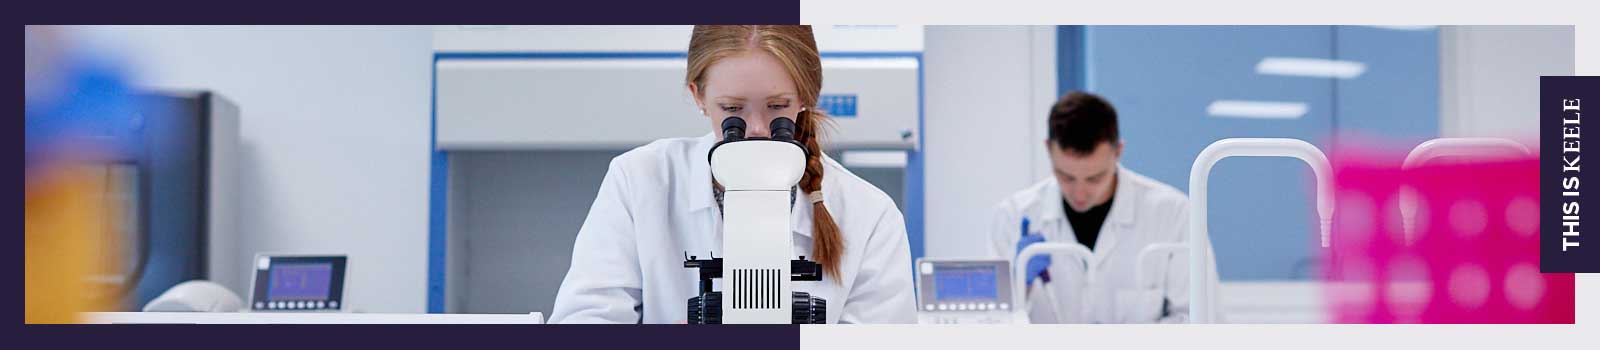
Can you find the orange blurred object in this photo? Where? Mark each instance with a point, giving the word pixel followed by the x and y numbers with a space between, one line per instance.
pixel 67 225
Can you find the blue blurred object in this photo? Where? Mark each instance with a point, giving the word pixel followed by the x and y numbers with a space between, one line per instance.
pixel 184 169
pixel 1038 265
pixel 92 111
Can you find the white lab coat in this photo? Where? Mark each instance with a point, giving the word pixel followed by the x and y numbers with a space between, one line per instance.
pixel 656 203
pixel 1143 212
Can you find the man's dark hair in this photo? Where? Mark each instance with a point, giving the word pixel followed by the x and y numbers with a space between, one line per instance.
pixel 1080 121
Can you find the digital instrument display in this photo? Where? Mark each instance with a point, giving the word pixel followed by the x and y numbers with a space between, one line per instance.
pixel 956 283
pixel 298 283
pixel 964 290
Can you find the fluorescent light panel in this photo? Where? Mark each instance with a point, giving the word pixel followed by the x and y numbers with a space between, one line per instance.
pixel 1256 109
pixel 1407 27
pixel 875 159
pixel 1310 67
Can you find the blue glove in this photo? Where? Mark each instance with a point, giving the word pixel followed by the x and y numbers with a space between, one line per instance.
pixel 1037 265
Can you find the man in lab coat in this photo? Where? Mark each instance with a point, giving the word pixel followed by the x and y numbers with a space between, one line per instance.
pixel 1091 200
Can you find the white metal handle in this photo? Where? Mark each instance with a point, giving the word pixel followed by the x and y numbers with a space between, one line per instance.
pixel 1170 250
pixel 1019 269
pixel 1482 147
pixel 1201 293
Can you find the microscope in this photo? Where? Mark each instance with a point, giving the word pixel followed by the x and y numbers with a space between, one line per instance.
pixel 758 176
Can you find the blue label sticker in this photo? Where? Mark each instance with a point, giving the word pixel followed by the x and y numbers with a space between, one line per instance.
pixel 838 105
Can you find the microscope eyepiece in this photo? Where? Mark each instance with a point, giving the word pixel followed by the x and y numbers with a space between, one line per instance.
pixel 782 129
pixel 732 129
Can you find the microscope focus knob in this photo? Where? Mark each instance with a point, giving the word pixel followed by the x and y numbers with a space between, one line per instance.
pixel 808 310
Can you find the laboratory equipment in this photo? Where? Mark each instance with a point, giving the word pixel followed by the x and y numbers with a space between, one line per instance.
pixel 1472 256
pixel 1019 288
pixel 178 193
pixel 965 291
pixel 196 296
pixel 1476 147
pixel 758 176
pixel 1202 295
pixel 299 283
pixel 1160 256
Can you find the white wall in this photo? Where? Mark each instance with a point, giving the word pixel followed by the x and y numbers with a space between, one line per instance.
pixel 334 130
pixel 987 90
pixel 1489 77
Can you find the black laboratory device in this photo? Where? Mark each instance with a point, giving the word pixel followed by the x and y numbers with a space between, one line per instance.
pixel 178 185
pixel 781 128
pixel 706 307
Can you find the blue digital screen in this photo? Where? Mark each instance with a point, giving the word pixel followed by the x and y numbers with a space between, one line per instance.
pixel 300 281
pixel 965 283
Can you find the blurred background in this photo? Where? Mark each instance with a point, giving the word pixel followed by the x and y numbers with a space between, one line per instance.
pixel 454 164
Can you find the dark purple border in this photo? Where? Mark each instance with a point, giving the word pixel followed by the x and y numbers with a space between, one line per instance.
pixel 1552 91
pixel 409 12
